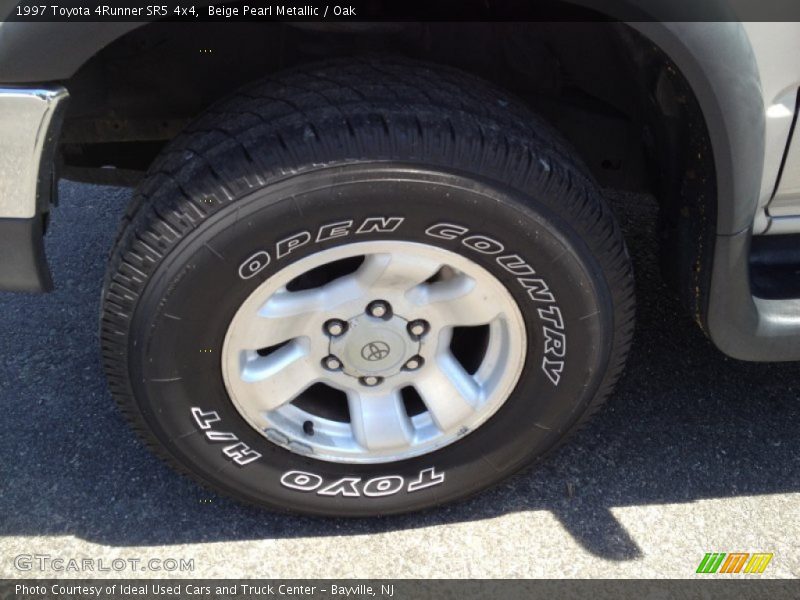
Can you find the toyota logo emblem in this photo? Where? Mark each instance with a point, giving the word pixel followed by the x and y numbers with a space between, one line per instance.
pixel 374 351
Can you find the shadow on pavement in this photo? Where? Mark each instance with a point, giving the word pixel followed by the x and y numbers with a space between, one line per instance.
pixel 686 423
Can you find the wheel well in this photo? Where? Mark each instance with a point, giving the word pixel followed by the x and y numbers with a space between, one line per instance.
pixel 625 108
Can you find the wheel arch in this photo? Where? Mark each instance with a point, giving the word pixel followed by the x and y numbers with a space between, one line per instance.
pixel 730 101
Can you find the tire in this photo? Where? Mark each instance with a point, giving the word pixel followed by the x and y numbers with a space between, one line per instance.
pixel 322 165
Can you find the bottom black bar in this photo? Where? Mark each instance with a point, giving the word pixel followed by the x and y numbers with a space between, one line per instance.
pixel 401 589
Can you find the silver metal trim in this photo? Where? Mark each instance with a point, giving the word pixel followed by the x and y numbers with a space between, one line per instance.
pixel 30 121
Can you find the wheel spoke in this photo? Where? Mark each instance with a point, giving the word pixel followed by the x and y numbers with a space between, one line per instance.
pixel 285 316
pixel 263 332
pixel 327 297
pixel 395 272
pixel 449 392
pixel 459 301
pixel 379 421
pixel 277 379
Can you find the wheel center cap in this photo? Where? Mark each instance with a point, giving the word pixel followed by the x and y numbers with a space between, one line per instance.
pixel 376 350
pixel 374 346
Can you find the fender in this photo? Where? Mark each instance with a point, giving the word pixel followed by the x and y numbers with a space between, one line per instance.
pixel 47 51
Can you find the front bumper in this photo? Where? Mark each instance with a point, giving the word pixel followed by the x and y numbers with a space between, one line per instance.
pixel 30 122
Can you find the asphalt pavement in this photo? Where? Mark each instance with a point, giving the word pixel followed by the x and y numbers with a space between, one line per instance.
pixel 694 453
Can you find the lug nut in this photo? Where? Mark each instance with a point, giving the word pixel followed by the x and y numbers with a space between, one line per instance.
pixel 331 363
pixel 379 309
pixel 418 328
pixel 370 380
pixel 414 363
pixel 335 327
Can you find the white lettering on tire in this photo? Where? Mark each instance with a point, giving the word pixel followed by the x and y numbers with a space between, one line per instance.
pixel 346 486
pixel 380 225
pixel 204 419
pixel 383 486
pixel 426 479
pixel 334 230
pixel 300 480
pixel 553 330
pixel 292 243
pixel 254 265
pixel 259 261
pixel 240 453
pixel 352 487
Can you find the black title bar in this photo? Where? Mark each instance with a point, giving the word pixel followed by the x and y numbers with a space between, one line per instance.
pixel 400 11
